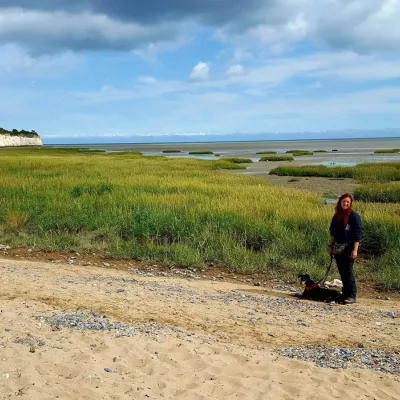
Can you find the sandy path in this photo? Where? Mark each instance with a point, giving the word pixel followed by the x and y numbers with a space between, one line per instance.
pixel 222 343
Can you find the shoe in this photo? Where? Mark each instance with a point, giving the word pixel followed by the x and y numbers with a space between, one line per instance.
pixel 350 300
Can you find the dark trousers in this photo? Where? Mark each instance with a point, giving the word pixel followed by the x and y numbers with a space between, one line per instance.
pixel 345 267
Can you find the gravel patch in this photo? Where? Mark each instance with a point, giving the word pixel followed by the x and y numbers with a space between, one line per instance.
pixel 335 357
pixel 91 321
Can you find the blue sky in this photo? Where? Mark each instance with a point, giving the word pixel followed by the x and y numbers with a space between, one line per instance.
pixel 99 70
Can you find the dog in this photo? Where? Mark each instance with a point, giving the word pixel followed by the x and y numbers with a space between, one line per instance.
pixel 313 291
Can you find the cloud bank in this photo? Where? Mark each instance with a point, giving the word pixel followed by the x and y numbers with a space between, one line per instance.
pixel 55 25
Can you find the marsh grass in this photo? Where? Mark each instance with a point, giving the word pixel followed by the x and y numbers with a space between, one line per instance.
pixel 266 152
pixel 381 193
pixel 178 212
pixel 387 151
pixel 320 151
pixel 201 152
pixel 367 172
pixel 92 151
pixel 15 221
pixel 277 158
pixel 239 160
pixel 299 153
pixel 171 151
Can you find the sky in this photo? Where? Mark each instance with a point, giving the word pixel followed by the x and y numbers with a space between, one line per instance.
pixel 157 70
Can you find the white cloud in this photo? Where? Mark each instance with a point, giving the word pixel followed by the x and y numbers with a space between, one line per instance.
pixel 361 25
pixel 321 67
pixel 200 72
pixel 15 62
pixel 364 26
pixel 236 69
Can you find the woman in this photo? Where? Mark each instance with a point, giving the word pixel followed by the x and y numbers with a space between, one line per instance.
pixel 346 234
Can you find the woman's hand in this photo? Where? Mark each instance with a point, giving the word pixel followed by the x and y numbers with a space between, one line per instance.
pixel 354 254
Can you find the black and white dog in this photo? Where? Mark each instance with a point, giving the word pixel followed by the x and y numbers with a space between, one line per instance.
pixel 313 291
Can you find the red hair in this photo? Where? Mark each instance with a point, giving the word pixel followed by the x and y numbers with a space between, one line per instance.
pixel 342 216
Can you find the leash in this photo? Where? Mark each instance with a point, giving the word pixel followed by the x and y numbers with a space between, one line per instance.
pixel 327 272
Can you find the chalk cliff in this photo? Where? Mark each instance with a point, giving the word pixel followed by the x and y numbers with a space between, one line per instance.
pixel 19 141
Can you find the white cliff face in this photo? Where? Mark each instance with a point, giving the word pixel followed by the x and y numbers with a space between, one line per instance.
pixel 17 141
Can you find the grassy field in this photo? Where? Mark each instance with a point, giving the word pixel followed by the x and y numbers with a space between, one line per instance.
pixel 182 212
pixel 381 181
pixel 381 193
pixel 367 172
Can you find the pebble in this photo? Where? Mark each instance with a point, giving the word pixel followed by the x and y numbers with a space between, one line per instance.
pixel 96 322
pixel 390 314
pixel 120 290
pixel 336 357
pixel 108 369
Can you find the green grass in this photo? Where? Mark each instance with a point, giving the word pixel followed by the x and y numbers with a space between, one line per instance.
pixel 381 193
pixel 320 151
pixel 329 195
pixel 387 151
pixel 171 151
pixel 367 172
pixel 92 151
pixel 299 153
pixel 201 152
pixel 239 160
pixel 182 212
pixel 266 152
pixel 277 158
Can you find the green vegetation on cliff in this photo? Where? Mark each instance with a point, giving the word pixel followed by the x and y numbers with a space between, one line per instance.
pixel 16 132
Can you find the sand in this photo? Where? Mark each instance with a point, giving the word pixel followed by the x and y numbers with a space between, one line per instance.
pixel 214 340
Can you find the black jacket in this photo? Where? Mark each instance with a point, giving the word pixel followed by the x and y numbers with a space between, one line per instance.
pixel 350 233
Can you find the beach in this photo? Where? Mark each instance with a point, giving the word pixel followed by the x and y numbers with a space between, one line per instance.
pixel 73 330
